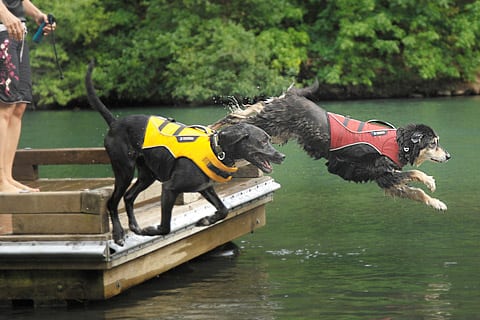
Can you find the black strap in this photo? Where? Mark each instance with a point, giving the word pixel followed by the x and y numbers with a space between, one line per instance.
pixel 218 172
pixel 360 126
pixel 51 20
pixel 180 129
pixel 163 125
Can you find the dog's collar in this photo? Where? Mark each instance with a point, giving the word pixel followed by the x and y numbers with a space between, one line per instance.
pixel 216 147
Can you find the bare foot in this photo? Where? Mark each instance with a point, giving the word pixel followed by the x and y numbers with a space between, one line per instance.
pixel 21 186
pixel 8 188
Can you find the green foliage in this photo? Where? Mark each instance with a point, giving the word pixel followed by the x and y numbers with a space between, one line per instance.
pixel 369 41
pixel 173 51
pixel 80 25
pixel 192 50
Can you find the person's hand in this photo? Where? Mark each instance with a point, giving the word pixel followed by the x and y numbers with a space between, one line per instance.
pixel 15 28
pixel 48 27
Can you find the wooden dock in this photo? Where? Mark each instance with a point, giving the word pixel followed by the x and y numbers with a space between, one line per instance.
pixel 55 245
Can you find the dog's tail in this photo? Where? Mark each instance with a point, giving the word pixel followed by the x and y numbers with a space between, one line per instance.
pixel 307 92
pixel 93 99
pixel 251 112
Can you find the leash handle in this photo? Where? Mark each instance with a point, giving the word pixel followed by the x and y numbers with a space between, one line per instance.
pixel 38 36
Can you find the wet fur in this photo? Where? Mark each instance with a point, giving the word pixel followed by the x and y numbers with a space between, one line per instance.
pixel 293 116
pixel 123 143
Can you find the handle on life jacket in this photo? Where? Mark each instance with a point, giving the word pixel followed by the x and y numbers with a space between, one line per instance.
pixel 385 123
pixel 200 127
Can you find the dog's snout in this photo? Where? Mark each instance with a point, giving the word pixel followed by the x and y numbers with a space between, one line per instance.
pixel 447 155
pixel 280 157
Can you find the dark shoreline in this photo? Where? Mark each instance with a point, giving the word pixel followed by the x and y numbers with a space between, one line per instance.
pixel 325 93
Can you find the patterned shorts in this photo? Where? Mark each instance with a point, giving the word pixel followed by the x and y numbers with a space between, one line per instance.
pixel 15 74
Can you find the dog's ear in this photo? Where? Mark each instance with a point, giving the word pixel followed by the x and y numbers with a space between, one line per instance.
pixel 232 135
pixel 416 137
pixel 408 139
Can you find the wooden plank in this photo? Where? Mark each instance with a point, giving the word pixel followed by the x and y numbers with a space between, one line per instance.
pixel 246 170
pixel 37 213
pixel 60 281
pixel 51 285
pixel 150 215
pixel 150 195
pixel 54 223
pixel 95 201
pixel 61 156
pixel 5 224
pixel 27 161
pixel 55 237
pixel 25 166
pixel 39 202
pixel 25 172
pixel 136 271
pixel 154 219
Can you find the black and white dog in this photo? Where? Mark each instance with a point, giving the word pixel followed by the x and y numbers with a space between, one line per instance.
pixel 184 158
pixel 355 150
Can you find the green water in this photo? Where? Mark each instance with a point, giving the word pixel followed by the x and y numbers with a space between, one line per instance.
pixel 330 249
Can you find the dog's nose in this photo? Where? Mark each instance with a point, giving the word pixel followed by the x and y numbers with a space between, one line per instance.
pixel 282 157
pixel 447 155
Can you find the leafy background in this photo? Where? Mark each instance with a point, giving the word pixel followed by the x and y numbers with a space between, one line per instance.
pixel 192 51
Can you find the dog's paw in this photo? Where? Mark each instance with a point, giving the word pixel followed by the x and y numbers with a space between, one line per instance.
pixel 203 222
pixel 149 231
pixel 135 229
pixel 430 183
pixel 119 236
pixel 119 239
pixel 437 204
pixel 154 231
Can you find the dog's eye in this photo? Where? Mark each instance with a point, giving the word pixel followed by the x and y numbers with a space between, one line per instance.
pixel 433 144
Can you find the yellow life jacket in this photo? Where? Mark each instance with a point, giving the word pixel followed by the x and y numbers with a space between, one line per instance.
pixel 192 142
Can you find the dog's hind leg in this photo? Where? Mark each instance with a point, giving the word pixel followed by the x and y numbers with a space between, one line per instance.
pixel 123 172
pixel 112 205
pixel 213 198
pixel 144 180
pixel 404 191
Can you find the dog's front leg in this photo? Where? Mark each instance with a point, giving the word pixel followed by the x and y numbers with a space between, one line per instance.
pixel 416 194
pixel 145 179
pixel 168 201
pixel 417 175
pixel 213 198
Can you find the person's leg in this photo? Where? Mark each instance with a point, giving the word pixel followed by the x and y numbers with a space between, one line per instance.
pixel 6 114
pixel 14 130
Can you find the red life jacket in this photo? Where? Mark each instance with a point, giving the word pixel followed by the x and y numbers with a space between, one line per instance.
pixel 346 132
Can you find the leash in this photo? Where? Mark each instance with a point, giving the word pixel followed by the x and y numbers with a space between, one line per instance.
pixel 37 38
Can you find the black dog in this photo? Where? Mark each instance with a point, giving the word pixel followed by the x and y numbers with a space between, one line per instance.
pixel 357 151
pixel 182 166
